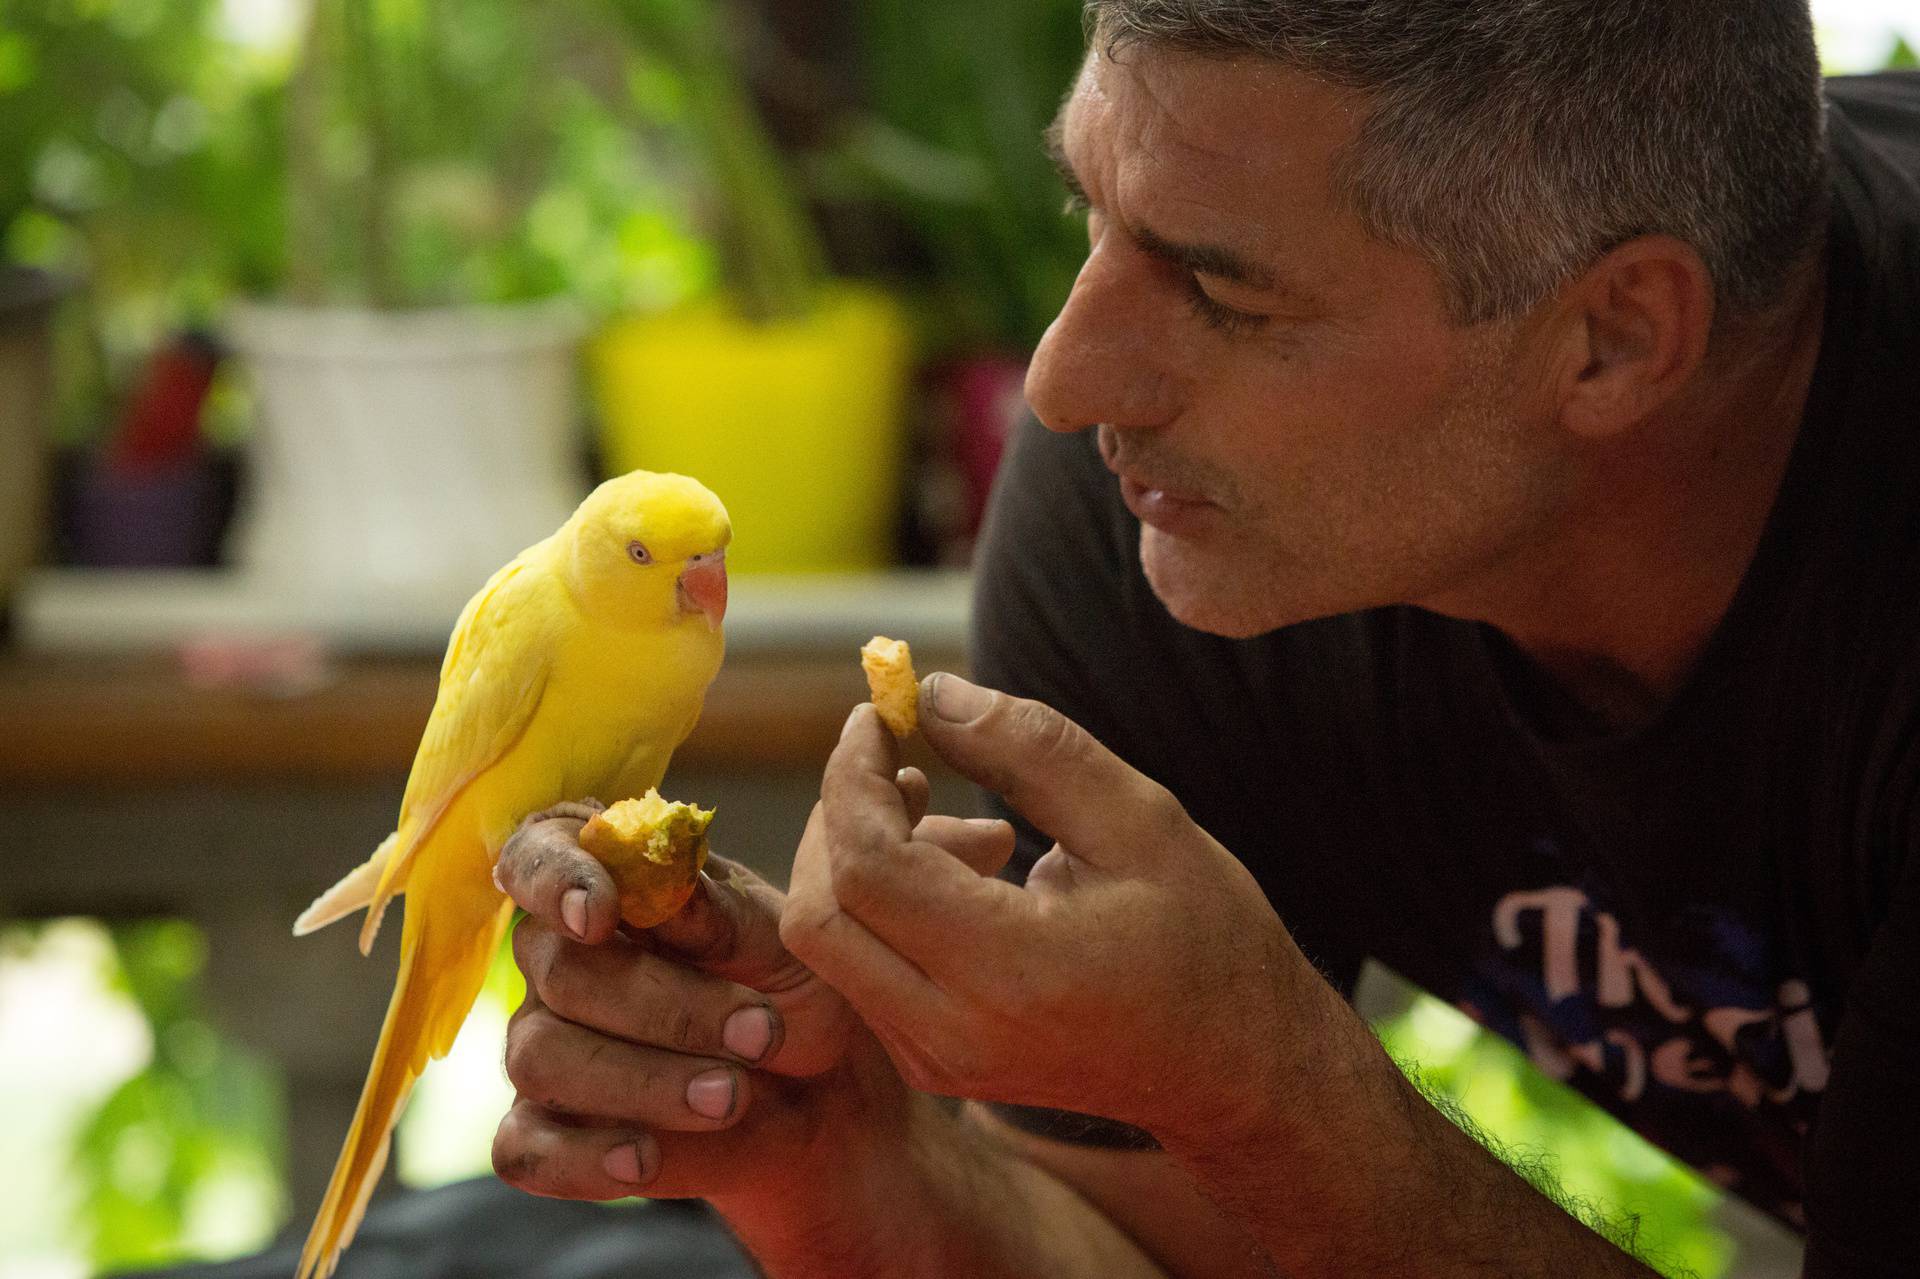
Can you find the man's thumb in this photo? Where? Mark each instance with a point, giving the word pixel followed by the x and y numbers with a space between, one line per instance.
pixel 730 927
pixel 1047 767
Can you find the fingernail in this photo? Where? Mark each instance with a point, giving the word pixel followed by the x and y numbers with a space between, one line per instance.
pixel 496 878
pixel 984 823
pixel 573 911
pixel 631 1162
pixel 711 1095
pixel 957 701
pixel 852 716
pixel 748 1033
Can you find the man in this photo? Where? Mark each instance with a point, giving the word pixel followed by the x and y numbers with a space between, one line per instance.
pixel 1481 497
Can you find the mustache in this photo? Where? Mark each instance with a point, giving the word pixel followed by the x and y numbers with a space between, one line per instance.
pixel 1144 459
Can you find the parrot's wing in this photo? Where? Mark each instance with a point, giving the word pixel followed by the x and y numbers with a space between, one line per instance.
pixel 491 682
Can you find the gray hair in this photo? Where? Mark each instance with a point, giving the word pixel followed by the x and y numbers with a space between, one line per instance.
pixel 1513 142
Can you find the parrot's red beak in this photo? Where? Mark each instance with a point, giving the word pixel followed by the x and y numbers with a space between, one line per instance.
pixel 703 587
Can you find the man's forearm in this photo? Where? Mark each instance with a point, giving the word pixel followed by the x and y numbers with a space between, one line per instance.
pixel 948 1200
pixel 1354 1172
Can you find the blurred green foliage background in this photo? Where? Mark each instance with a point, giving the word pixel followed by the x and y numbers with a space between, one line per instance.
pixel 175 154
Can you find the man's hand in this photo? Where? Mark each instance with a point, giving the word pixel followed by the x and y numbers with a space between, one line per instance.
pixel 695 1058
pixel 663 1061
pixel 1141 975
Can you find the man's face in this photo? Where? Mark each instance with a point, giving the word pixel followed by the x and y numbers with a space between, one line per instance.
pixel 1298 426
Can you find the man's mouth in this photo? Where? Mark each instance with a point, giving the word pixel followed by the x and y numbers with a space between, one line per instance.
pixel 1164 509
pixel 1153 502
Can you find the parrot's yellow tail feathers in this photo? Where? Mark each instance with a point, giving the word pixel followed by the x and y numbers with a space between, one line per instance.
pixel 443 961
pixel 353 892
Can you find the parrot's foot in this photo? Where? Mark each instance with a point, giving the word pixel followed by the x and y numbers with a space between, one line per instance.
pixel 583 809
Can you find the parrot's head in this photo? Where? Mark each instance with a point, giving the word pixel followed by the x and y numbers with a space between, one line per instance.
pixel 649 549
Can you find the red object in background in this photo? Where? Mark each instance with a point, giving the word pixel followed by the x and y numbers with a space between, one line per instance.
pixel 267 665
pixel 160 426
pixel 971 407
pixel 154 495
pixel 988 399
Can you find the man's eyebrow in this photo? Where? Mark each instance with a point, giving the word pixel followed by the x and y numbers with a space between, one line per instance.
pixel 1202 259
pixel 1055 140
pixel 1206 259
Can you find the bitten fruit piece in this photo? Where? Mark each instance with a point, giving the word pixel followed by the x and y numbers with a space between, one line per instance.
pixel 654 849
pixel 896 693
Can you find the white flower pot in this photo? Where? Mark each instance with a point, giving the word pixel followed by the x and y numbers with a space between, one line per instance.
pixel 405 451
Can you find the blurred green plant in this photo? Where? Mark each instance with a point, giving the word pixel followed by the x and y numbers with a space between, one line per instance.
pixel 486 151
pixel 687 71
pixel 961 94
pixel 441 152
pixel 138 156
pixel 1552 1130
pixel 388 152
pixel 185 1155
pixel 139 141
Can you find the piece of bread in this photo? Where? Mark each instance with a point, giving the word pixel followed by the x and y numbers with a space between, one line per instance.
pixel 890 680
pixel 654 849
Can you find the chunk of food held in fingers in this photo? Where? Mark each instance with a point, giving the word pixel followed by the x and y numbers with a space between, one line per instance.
pixel 891 683
pixel 577 670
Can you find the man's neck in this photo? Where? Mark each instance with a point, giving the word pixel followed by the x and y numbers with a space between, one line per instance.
pixel 1619 606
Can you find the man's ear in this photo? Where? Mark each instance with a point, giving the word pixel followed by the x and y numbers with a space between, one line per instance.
pixel 1637 324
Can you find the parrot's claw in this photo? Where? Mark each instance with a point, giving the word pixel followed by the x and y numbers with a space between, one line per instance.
pixel 579 810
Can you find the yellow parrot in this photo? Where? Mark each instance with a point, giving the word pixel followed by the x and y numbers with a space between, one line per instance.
pixel 577 670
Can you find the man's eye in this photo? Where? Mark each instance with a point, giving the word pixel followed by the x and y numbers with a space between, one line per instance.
pixel 1218 315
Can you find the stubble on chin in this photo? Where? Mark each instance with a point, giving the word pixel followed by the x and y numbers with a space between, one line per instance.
pixel 1206 590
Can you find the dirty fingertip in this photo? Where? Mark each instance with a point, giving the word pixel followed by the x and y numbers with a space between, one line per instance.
pixel 632 1163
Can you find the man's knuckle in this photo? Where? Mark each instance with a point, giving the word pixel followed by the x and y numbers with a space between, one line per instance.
pixel 516 1057
pixel 734 925
pixel 1158 803
pixel 802 923
pixel 529 1055
pixel 562 985
pixel 516 1158
pixel 859 881
pixel 842 795
pixel 793 922
pixel 1028 719
pixel 1048 734
pixel 529 1007
pixel 515 1165
pixel 683 1029
pixel 530 942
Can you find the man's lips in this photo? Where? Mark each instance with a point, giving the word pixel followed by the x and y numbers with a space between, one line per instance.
pixel 1167 511
pixel 1164 507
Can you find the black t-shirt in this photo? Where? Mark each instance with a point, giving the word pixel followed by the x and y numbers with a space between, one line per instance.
pixel 1710 925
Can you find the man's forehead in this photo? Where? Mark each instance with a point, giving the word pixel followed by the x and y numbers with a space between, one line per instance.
pixel 1231 121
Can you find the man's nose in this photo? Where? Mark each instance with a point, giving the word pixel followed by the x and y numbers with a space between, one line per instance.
pixel 1098 361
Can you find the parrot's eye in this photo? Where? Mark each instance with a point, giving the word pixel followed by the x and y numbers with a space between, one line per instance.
pixel 639 554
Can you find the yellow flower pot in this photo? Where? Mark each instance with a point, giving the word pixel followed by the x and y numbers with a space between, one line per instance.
pixel 798 425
